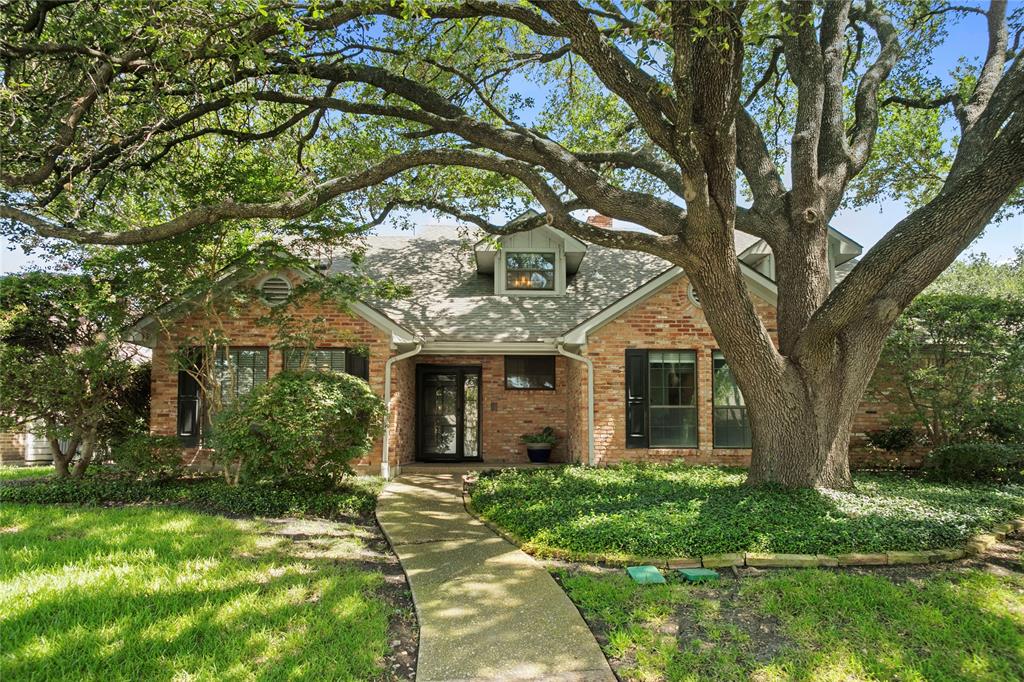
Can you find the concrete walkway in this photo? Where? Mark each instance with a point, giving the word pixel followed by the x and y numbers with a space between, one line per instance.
pixel 487 611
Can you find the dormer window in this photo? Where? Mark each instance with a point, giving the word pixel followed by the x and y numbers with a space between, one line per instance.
pixel 537 262
pixel 530 271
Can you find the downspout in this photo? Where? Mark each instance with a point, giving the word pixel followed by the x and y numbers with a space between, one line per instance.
pixel 590 397
pixel 385 468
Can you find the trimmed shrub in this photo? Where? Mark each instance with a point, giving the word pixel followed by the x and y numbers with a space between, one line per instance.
pixel 892 439
pixel 976 462
pixel 299 425
pixel 143 455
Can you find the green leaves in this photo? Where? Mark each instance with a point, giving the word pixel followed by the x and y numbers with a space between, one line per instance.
pixel 678 510
pixel 299 424
pixel 957 355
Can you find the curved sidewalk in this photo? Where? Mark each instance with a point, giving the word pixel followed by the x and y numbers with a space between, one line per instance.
pixel 487 610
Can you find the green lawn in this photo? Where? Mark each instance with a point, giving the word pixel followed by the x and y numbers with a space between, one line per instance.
pixel 810 625
pixel 679 510
pixel 9 473
pixel 163 594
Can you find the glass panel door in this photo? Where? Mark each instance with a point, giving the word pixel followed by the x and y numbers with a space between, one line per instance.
pixel 448 413
pixel 439 414
pixel 471 415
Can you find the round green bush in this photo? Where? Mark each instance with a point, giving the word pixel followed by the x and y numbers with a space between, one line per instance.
pixel 147 456
pixel 299 424
pixel 976 462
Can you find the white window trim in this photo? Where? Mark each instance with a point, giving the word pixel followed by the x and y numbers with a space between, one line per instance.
pixel 500 287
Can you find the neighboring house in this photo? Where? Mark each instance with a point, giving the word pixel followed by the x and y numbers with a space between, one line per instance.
pixel 608 347
pixel 22 447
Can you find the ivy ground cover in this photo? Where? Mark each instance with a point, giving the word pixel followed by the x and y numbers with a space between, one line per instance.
pixel 677 510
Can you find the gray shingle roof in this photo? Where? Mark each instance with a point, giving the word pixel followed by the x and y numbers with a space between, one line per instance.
pixel 451 301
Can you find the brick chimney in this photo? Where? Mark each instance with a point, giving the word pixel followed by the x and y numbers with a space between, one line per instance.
pixel 598 220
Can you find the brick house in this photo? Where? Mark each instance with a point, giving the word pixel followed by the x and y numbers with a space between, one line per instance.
pixel 505 337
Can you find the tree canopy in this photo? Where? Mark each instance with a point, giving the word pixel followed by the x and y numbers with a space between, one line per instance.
pixel 128 123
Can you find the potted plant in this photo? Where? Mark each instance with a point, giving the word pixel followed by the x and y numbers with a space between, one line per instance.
pixel 538 445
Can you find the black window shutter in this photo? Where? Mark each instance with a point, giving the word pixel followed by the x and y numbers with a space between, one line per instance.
pixel 636 398
pixel 188 409
pixel 358 365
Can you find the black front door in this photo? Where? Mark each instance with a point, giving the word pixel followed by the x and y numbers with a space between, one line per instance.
pixel 447 413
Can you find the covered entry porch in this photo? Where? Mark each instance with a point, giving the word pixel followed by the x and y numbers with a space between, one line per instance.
pixel 458 412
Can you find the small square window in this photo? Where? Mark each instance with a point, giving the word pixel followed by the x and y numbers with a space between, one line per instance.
pixel 530 271
pixel 530 372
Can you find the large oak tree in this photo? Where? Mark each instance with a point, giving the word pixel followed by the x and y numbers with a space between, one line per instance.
pixel 129 122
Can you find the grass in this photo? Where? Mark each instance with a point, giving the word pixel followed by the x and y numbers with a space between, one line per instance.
pixel 810 625
pixel 680 510
pixel 355 498
pixel 9 473
pixel 164 594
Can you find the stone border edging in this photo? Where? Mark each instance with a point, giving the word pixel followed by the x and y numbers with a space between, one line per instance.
pixel 976 544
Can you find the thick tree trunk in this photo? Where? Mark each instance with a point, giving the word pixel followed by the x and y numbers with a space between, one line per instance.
pixel 802 440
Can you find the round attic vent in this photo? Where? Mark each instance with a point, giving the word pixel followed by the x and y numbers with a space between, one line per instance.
pixel 275 289
pixel 692 294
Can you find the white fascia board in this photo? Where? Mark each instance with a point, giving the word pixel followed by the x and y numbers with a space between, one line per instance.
pixel 489 348
pixel 399 334
pixel 756 282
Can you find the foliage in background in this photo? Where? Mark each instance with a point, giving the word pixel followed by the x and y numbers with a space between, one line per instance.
pixel 956 356
pixel 681 510
pixel 892 439
pixel 980 275
pixel 149 457
pixel 298 424
pixel 62 368
pixel 990 462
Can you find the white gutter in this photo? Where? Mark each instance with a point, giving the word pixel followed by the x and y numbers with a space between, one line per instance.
pixel 489 347
pixel 590 397
pixel 385 468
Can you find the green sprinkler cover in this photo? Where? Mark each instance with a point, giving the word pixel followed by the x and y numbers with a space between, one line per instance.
pixel 645 575
pixel 698 575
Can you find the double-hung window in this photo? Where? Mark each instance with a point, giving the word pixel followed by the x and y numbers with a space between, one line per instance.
pixel 328 359
pixel 239 370
pixel 661 398
pixel 530 271
pixel 730 424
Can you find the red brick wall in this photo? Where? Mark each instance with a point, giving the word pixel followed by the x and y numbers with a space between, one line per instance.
pixel 576 411
pixel 647 325
pixel 345 330
pixel 402 445
pixel 506 414
pixel 882 402
pixel 669 321
pixel 12 447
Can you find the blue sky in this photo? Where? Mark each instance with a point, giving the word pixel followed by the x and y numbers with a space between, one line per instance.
pixel 967 39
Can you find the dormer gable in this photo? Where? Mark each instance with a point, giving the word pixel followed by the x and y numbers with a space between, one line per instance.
pixel 841 250
pixel 535 262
